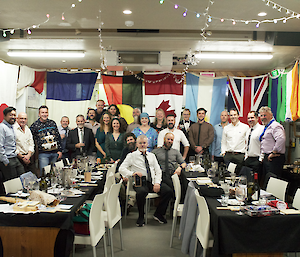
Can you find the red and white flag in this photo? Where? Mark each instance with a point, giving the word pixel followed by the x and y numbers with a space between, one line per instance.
pixel 163 91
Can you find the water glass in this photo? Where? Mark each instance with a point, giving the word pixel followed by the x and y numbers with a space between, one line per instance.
pixel 192 159
pixel 224 200
pixel 240 195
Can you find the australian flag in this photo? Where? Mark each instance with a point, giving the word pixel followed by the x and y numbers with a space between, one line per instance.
pixel 247 94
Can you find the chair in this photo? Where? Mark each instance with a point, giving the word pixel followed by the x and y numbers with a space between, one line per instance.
pixel 147 205
pixel 13 185
pixel 96 226
pixel 277 187
pixel 111 170
pixel 59 164
pixel 129 192
pixel 47 169
pixel 203 225
pixel 296 201
pixel 113 213
pixel 178 208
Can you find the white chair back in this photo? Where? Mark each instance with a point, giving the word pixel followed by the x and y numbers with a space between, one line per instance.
pixel 97 226
pixel 296 201
pixel 111 170
pixel 59 164
pixel 203 222
pixel 113 205
pixel 177 188
pixel 47 169
pixel 67 161
pixel 13 185
pixel 277 187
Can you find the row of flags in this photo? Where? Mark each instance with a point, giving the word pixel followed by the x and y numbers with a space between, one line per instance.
pixel 279 90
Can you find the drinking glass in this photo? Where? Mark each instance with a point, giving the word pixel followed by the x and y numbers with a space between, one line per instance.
pixel 233 178
pixel 240 195
pixel 192 159
pixel 211 173
pixel 242 182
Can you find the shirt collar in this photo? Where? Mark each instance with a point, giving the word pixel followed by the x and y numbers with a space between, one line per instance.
pixel 7 124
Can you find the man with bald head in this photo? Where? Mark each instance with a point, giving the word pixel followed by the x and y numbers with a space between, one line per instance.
pixel 216 144
pixel 135 114
pixel 24 142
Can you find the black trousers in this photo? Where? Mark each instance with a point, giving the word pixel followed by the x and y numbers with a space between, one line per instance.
pixel 255 165
pixel 238 159
pixel 166 178
pixel 275 166
pixel 165 193
pixel 13 170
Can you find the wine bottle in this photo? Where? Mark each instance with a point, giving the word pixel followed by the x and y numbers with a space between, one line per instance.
pixel 250 187
pixel 256 193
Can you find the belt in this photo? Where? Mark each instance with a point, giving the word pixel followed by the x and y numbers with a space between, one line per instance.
pixel 235 153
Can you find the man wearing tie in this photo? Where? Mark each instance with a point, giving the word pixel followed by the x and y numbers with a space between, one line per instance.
pixel 80 140
pixel 144 165
pixel 253 156
pixel 63 130
pixel 185 123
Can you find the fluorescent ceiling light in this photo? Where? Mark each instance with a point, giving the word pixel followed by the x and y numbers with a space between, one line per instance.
pixel 127 12
pixel 47 53
pixel 234 56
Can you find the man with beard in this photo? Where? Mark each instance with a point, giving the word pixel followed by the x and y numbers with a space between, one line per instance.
pixel 178 136
pixel 171 162
pixel 64 130
pixel 81 140
pixel 10 165
pixel 201 133
pixel 135 114
pixel 91 123
pixel 130 140
pixel 144 164
pixel 272 143
pixel 99 110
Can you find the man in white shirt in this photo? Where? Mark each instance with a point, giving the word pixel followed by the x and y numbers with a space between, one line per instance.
pixel 178 136
pixel 144 165
pixel 24 142
pixel 233 146
pixel 253 156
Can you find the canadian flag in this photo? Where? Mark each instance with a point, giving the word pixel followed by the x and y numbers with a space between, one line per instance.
pixel 164 91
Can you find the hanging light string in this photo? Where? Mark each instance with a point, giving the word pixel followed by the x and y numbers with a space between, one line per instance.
pixel 175 76
pixel 290 14
pixel 34 26
pixel 103 61
pixel 208 20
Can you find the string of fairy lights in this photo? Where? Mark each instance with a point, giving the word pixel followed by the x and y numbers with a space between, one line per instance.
pixel 286 14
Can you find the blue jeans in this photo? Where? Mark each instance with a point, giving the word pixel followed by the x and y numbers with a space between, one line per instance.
pixel 46 159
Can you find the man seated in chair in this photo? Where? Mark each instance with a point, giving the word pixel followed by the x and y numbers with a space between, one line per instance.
pixel 144 165
pixel 171 161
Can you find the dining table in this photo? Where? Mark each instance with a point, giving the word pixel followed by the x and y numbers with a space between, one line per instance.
pixel 42 233
pixel 237 235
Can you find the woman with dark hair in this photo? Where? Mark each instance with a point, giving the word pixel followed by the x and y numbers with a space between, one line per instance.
pixel 160 121
pixel 114 140
pixel 101 133
pixel 145 129
pixel 115 112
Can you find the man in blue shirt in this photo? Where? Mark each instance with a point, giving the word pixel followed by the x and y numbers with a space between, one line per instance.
pixel 216 144
pixel 10 165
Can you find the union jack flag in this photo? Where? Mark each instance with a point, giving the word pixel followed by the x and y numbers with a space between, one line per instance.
pixel 247 94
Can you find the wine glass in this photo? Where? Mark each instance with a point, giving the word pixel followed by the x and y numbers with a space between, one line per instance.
pixel 242 182
pixel 240 195
pixel 192 159
pixel 233 178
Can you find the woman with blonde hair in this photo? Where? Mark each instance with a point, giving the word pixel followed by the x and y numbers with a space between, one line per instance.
pixel 160 121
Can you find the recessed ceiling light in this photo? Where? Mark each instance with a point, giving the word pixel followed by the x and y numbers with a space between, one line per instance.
pixel 127 12
pixel 262 14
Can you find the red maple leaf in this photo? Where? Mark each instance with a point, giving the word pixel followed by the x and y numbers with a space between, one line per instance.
pixel 165 106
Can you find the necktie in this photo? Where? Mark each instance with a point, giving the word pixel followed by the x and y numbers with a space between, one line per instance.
pixel 166 161
pixel 199 134
pixel 82 139
pixel 149 178
pixel 186 121
pixel 249 139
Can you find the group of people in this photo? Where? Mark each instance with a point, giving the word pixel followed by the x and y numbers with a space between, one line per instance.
pixel 152 151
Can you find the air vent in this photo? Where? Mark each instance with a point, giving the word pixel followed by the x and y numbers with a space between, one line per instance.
pixel 138 30
pixel 138 57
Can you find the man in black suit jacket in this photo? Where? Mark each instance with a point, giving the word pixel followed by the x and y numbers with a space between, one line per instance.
pixel 81 140
pixel 185 125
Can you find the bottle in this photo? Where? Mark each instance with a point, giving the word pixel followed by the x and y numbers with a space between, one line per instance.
pixel 250 187
pixel 43 184
pixel 256 193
